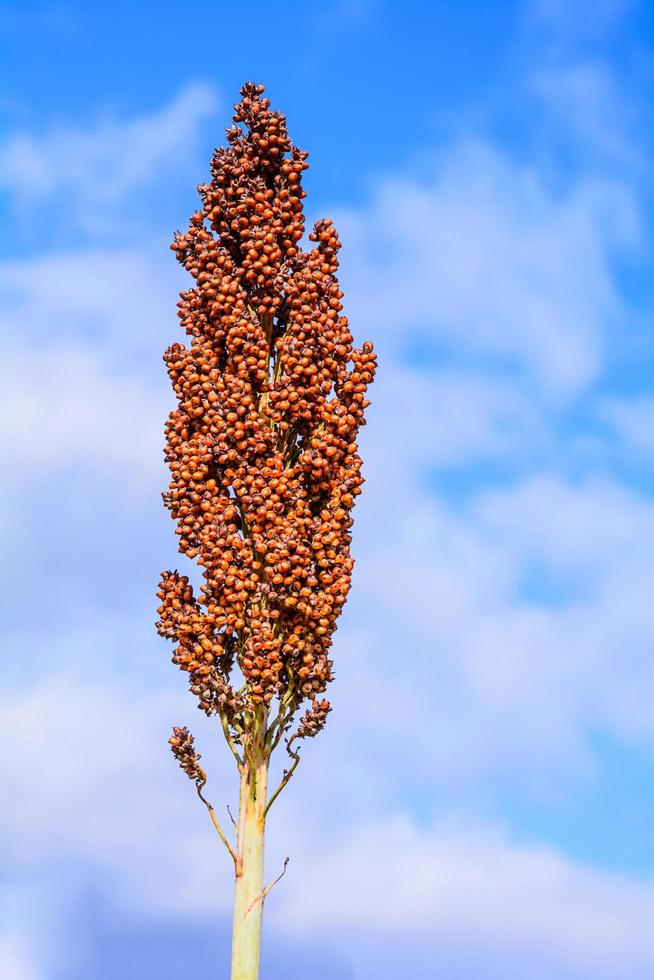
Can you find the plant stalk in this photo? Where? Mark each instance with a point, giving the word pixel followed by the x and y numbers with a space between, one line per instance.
pixel 249 888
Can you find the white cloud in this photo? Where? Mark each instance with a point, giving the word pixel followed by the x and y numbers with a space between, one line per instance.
pixel 568 20
pixel 120 300
pixel 86 387
pixel 93 784
pixel 487 259
pixel 513 626
pixel 100 165
pixel 62 407
pixel 590 528
pixel 89 779
pixel 450 417
pixel 16 958
pixel 588 105
pixel 424 898
pixel 632 421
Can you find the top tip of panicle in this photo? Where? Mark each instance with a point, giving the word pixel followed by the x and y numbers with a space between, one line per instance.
pixel 250 106
pixel 251 90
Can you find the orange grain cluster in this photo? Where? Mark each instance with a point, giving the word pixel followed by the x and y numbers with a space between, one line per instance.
pixel 262 445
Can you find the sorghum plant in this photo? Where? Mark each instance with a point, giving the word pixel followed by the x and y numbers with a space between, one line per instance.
pixel 265 471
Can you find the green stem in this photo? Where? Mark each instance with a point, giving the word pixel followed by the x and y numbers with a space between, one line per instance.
pixel 249 891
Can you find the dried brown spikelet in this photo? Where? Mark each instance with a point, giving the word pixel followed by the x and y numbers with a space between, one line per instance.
pixel 182 744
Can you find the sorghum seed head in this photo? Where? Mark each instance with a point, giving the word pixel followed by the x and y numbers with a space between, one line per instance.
pixel 262 447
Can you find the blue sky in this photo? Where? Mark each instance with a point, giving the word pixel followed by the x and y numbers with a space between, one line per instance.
pixel 480 805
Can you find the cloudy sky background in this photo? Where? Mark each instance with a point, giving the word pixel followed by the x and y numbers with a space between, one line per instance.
pixel 481 804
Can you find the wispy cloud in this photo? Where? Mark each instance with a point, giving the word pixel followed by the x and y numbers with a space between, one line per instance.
pixel 420 896
pixel 632 421
pixel 87 174
pixel 569 22
pixel 487 260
